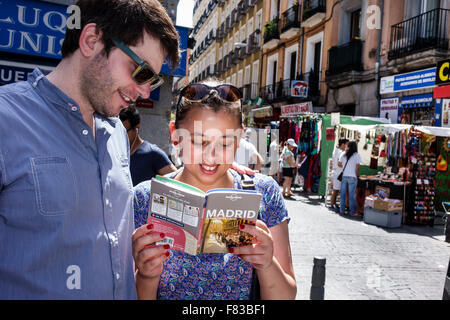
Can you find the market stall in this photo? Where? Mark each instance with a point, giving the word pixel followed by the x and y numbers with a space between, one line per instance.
pixel 410 167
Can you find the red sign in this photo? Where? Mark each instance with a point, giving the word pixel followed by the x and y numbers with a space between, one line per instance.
pixel 330 134
pixel 298 108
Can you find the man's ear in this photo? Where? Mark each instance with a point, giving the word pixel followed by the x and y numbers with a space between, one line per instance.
pixel 90 41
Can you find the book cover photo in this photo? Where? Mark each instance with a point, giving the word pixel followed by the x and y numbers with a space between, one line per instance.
pixel 196 222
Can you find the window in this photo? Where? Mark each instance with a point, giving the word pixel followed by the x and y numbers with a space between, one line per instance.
pixel 247 75
pixel 355 24
pixel 290 62
pixel 250 27
pixel 242 32
pixel 258 21
pixel 272 63
pixel 233 79
pixel 239 78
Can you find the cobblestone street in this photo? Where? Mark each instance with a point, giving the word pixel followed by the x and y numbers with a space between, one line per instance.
pixel 365 261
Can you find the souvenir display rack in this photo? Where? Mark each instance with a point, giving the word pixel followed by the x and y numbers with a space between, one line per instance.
pixel 423 170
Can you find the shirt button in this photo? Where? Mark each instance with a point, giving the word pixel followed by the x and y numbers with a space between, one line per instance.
pixel 85 132
pixel 117 276
pixel 107 201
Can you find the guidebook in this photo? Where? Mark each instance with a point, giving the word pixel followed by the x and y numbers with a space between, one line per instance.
pixel 198 222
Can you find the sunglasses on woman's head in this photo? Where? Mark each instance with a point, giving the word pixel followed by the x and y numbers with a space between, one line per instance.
pixel 198 91
pixel 143 73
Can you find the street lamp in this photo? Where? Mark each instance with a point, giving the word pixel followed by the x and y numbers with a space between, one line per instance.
pixel 240 45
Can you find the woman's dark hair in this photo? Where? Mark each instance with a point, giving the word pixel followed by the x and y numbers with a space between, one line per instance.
pixel 210 102
pixel 352 148
pixel 132 115
pixel 125 20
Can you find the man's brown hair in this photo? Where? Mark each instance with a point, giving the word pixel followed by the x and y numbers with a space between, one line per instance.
pixel 126 20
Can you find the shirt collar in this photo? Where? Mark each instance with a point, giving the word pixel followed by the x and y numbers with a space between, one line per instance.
pixel 56 97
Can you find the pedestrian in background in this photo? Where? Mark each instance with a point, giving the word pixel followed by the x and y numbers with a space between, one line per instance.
pixel 274 154
pixel 146 159
pixel 349 161
pixel 247 154
pixel 289 165
pixel 66 200
pixel 340 148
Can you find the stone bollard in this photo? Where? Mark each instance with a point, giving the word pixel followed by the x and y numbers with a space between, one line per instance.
pixel 318 279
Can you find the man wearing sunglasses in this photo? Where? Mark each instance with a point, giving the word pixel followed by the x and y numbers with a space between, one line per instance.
pixel 66 211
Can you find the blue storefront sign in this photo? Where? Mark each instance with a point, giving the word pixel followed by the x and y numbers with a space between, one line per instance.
pixel 32 28
pixel 408 81
pixel 417 101
pixel 37 28
pixel 11 72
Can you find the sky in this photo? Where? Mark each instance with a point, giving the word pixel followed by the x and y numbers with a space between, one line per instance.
pixel 185 13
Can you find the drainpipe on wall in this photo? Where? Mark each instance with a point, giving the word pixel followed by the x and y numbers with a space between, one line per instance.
pixel 377 64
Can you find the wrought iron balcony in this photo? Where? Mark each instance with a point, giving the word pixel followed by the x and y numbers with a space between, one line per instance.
pixel 290 21
pixel 235 58
pixel 277 91
pixel 242 8
pixel 271 30
pixel 313 12
pixel 313 80
pixel 254 42
pixel 429 30
pixel 249 92
pixel 346 57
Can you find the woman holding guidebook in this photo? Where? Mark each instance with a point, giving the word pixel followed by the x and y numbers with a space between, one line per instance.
pixel 207 129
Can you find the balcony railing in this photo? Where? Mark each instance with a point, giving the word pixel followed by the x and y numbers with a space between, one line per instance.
pixel 423 32
pixel 313 80
pixel 236 56
pixel 254 42
pixel 290 18
pixel 271 30
pixel 243 7
pixel 249 92
pixel 276 91
pixel 346 57
pixel 311 7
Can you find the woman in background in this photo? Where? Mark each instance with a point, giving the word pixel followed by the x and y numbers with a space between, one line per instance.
pixel 349 160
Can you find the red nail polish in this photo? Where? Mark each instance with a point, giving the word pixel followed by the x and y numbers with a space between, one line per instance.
pixel 167 254
pixel 150 226
pixel 166 246
pixel 231 250
pixel 175 143
pixel 162 235
pixel 241 226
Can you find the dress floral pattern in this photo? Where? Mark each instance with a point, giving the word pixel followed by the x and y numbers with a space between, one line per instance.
pixel 211 276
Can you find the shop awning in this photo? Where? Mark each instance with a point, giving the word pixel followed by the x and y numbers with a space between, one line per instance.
pixel 417 101
pixel 262 112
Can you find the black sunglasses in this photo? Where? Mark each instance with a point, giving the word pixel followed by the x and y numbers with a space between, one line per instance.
pixel 143 73
pixel 198 91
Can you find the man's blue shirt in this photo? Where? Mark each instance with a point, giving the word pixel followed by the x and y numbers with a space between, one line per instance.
pixel 66 211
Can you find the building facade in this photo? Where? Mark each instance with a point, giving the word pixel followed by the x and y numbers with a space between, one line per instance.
pixel 325 55
pixel 415 38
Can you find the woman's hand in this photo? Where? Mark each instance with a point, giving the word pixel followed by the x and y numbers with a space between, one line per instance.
pixel 148 257
pixel 260 253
